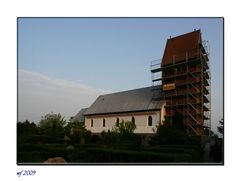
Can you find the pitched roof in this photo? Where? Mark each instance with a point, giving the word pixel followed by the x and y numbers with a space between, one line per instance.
pixel 142 99
pixel 79 116
pixel 178 46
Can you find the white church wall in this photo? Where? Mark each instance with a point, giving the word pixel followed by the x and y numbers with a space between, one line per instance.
pixel 141 122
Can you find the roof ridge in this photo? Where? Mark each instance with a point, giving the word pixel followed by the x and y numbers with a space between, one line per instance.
pixel 184 34
pixel 129 90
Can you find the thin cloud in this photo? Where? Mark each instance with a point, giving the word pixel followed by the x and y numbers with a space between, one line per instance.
pixel 39 94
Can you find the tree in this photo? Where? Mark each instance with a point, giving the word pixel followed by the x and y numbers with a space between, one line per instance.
pixel 26 127
pixel 178 120
pixel 110 138
pixel 53 125
pixel 52 119
pixel 121 136
pixel 220 128
pixel 216 151
pixel 172 133
pixel 125 135
pixel 125 128
pixel 76 130
pixel 25 130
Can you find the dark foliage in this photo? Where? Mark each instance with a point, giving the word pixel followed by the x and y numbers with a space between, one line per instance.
pixel 172 133
pixel 53 126
pixel 77 132
pixel 113 155
pixel 216 151
pixel 122 136
pixel 220 128
pixel 38 143
pixel 25 131
pixel 177 121
pixel 40 153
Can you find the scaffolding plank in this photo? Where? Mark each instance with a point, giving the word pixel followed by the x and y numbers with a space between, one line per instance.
pixel 156 70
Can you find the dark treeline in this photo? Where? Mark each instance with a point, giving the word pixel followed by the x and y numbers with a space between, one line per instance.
pixel 53 136
pixel 52 128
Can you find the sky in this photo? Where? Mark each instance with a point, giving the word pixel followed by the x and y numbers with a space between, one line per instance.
pixel 64 64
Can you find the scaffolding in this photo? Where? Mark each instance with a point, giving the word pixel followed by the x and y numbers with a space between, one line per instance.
pixel 186 86
pixel 156 74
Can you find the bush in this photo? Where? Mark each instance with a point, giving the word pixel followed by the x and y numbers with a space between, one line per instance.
pixel 170 135
pixel 111 155
pixel 39 139
pixel 110 138
pixel 32 157
pixel 195 151
pixel 133 142
pixel 97 153
pixel 95 139
pixel 80 156
pixel 36 153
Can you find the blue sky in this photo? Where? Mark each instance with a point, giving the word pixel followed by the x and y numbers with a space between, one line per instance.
pixel 102 55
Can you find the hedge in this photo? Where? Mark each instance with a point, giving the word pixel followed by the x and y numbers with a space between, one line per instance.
pixel 32 157
pixel 111 155
pixel 195 152
pixel 40 153
pixel 96 153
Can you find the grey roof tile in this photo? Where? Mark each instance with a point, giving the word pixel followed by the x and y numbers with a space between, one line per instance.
pixel 79 116
pixel 142 99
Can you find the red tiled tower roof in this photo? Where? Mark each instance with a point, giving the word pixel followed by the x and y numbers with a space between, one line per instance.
pixel 178 47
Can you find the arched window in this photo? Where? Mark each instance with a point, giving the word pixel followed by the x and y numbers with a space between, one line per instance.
pixel 133 120
pixel 103 123
pixel 91 123
pixel 117 122
pixel 149 120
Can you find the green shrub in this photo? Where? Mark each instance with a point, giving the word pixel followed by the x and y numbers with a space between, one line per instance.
pixel 111 155
pixel 39 139
pixel 36 153
pixel 126 151
pixel 131 143
pixel 32 157
pixel 195 151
